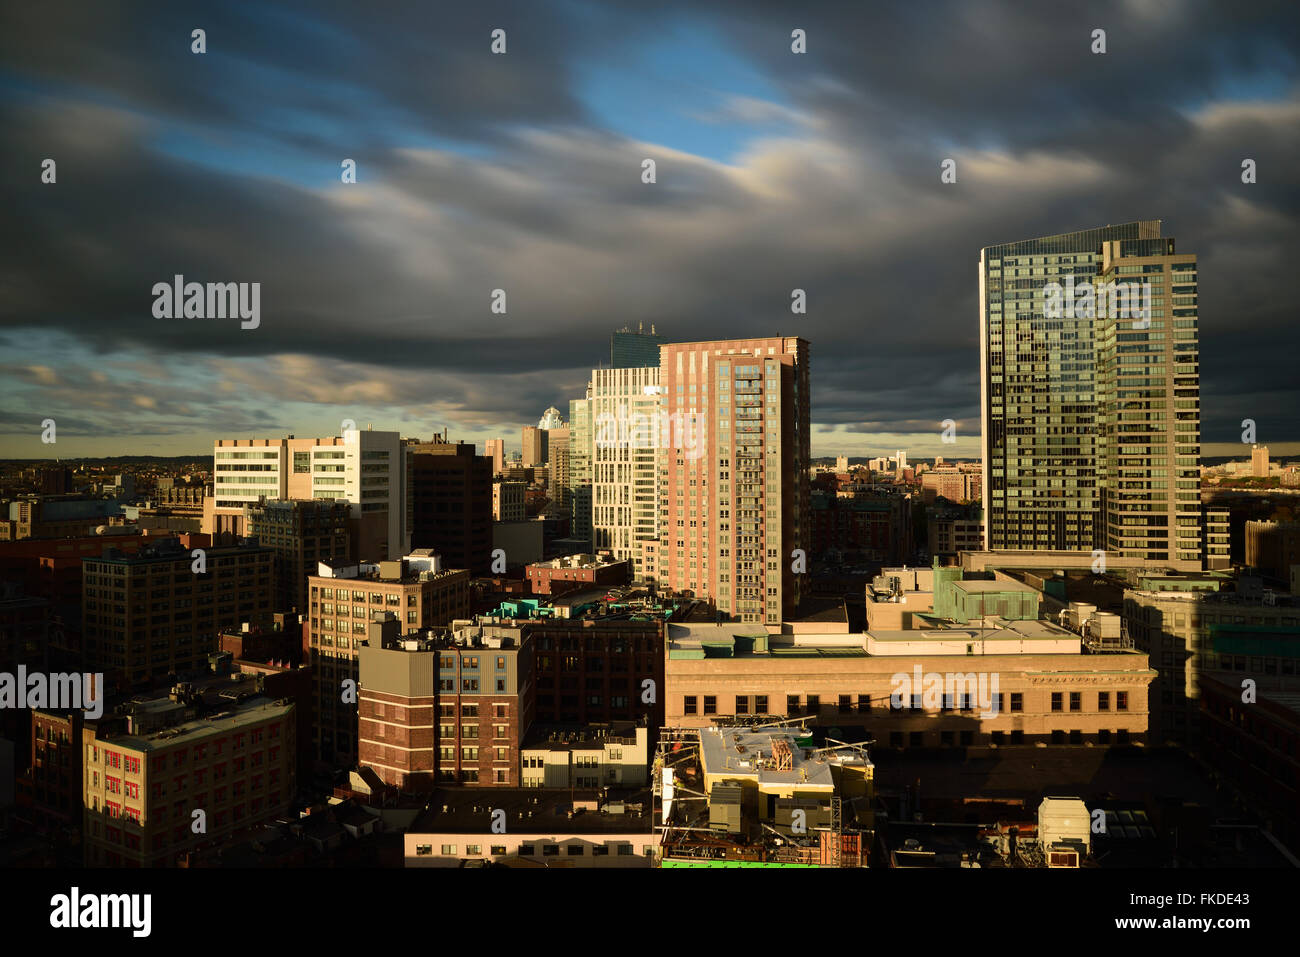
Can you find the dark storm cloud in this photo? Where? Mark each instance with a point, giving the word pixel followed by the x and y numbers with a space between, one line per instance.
pixel 396 271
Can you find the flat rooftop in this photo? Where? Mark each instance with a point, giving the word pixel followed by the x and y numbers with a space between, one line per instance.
pixel 532 811
pixel 575 737
pixel 210 725
pixel 751 753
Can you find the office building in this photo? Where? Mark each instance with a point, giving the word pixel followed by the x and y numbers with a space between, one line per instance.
pixel 734 496
pixel 1273 548
pixel 1187 627
pixel 1148 406
pixel 557 444
pixel 302 533
pixel 631 350
pixel 573 572
pixel 344 598
pixel 158 612
pixel 606 754
pixel 1038 392
pixel 625 430
pixel 580 828
pixel 496 451
pixel 533 440
pixel 220 749
pixel 508 501
pixel 580 469
pixel 444 708
pixel 451 502
pixel 367 469
pixel 1259 461
pixel 849 681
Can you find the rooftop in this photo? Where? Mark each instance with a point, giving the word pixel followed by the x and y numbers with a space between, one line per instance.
pixel 535 811
pixel 772 758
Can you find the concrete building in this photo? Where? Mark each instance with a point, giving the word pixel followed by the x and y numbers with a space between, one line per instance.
pixel 625 432
pixel 496 450
pixel 1256 746
pixel 897 598
pixel 592 670
pixel 451 502
pixel 302 533
pixel 345 597
pixel 223 750
pixel 444 708
pixel 367 469
pixel 521 542
pixel 508 501
pixel 951 531
pixel 1188 632
pixel 957 485
pixel 734 492
pixel 573 572
pixel 1050 689
pixel 533 440
pixel 871 526
pixel 606 754
pixel 575 829
pixel 1272 548
pixel 738 796
pixel 557 444
pixel 581 448
pixel 53 782
pixel 1259 461
pixel 151 614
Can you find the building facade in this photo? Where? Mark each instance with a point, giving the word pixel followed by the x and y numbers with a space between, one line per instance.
pixel 344 598
pixel 302 533
pixel 158 612
pixel 367 469
pixel 734 493
pixel 1038 392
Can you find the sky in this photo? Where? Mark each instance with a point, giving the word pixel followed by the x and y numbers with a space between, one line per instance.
pixel 522 171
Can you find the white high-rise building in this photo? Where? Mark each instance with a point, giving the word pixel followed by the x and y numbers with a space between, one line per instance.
pixel 370 470
pixel 624 434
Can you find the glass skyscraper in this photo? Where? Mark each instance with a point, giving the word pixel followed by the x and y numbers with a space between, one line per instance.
pixel 1038 392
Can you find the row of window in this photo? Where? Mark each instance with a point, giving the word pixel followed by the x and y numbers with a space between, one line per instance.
pixel 529 849
pixel 757 704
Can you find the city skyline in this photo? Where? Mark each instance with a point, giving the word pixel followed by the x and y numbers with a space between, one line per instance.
pixel 819 172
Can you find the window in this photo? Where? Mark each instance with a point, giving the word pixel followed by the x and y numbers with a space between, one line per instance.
pixel 448 849
pixel 473 849
pixel 1056 701
pixel 423 850
pixel 1076 701
pixel 710 704
pixel 792 704
pixel 760 704
pixel 1103 700
pixel 742 704
pixel 1121 700
pixel 814 703
pixel 497 849
pixel 1017 703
